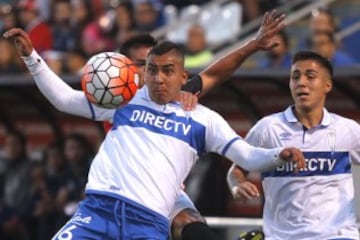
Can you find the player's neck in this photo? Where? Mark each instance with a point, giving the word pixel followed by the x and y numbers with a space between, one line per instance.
pixel 311 118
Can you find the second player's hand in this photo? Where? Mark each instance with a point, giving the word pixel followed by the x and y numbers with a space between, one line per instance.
pixel 22 41
pixel 245 190
pixel 188 100
pixel 293 155
pixel 271 24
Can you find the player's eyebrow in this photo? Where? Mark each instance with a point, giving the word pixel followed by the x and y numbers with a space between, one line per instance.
pixel 162 65
pixel 311 71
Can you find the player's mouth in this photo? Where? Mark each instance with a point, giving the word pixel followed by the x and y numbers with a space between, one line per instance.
pixel 302 94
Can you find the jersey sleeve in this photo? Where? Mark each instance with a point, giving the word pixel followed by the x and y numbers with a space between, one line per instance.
pixel 222 139
pixel 355 142
pixel 60 95
pixel 193 85
pixel 255 136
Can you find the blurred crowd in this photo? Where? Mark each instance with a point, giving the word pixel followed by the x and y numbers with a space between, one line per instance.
pixel 67 32
pixel 38 197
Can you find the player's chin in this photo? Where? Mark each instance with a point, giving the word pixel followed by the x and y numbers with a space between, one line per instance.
pixel 159 99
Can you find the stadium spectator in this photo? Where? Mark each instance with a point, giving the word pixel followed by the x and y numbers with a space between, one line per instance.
pixel 55 60
pixel 8 17
pixel 38 30
pixel 324 43
pixel 77 153
pixel 124 22
pixel 184 3
pixel 74 62
pixel 147 16
pixel 62 31
pixel 81 16
pixel 96 36
pixel 9 62
pixel 318 201
pixel 11 226
pixel 322 20
pixel 196 51
pixel 15 184
pixel 279 56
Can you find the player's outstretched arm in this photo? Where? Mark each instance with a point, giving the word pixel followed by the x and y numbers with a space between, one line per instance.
pixel 253 158
pixel 239 186
pixel 219 71
pixel 60 95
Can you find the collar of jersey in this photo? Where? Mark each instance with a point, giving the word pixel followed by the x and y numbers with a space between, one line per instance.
pixel 291 118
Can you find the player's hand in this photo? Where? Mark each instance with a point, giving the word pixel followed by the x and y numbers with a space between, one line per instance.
pixel 245 190
pixel 22 41
pixel 271 24
pixel 188 100
pixel 293 155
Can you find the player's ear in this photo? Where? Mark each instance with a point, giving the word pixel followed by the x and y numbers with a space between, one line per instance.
pixel 328 85
pixel 185 77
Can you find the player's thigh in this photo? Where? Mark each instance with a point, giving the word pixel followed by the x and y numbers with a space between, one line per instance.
pixel 187 216
pixel 183 218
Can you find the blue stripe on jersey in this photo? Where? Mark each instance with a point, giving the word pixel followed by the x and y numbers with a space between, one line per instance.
pixel 182 128
pixel 91 110
pixel 228 145
pixel 317 164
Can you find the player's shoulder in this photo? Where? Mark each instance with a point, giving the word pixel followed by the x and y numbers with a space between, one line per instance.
pixel 271 119
pixel 344 121
pixel 205 114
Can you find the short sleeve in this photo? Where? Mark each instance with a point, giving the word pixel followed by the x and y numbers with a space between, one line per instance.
pixel 355 142
pixel 193 85
pixel 219 134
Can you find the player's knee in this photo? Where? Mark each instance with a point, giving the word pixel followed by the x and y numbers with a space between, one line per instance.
pixel 183 218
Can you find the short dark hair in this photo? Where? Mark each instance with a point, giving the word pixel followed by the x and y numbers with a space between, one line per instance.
pixel 310 55
pixel 137 41
pixel 166 46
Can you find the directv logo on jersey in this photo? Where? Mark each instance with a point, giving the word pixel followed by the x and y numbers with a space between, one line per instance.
pixel 182 128
pixel 317 163
pixel 160 122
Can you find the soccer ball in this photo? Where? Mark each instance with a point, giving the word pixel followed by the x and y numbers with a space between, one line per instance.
pixel 109 79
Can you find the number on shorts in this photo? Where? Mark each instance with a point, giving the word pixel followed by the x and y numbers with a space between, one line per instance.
pixel 65 234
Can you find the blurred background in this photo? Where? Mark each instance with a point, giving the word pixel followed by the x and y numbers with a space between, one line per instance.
pixel 45 154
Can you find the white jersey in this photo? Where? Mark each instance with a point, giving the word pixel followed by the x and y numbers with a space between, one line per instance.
pixel 318 202
pixel 151 148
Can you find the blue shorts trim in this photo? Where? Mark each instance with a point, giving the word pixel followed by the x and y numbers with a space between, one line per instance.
pixel 101 216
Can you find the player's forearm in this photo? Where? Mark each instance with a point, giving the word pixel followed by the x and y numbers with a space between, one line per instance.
pixel 60 95
pixel 220 70
pixel 235 176
pixel 253 158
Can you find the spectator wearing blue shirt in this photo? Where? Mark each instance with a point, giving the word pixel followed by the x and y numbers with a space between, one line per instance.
pixel 279 56
pixel 324 43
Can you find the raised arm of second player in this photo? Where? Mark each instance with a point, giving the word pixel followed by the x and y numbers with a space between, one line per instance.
pixel 217 72
pixel 60 95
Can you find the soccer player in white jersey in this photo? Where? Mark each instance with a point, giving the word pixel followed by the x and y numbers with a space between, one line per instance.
pixel 134 178
pixel 186 221
pixel 318 202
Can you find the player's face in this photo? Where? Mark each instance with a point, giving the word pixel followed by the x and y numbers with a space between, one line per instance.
pixel 309 85
pixel 164 76
pixel 138 56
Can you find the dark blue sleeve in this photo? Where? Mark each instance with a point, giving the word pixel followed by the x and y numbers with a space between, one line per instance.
pixel 193 85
